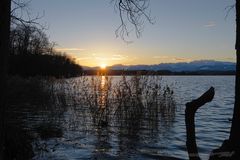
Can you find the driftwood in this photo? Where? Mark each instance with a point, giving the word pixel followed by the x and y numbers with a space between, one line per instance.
pixel 190 111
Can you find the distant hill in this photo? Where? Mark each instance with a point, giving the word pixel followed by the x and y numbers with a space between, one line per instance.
pixel 201 65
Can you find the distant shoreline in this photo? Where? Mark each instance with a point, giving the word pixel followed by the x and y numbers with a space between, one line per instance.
pixel 160 72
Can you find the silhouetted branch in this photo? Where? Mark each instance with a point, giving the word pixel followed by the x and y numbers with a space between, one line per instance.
pixel 190 111
pixel 20 14
pixel 134 12
pixel 228 9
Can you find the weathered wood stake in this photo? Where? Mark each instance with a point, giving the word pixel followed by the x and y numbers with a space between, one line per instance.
pixel 190 111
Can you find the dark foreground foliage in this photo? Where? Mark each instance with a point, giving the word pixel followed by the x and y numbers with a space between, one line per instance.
pixel 57 65
pixel 17 144
pixel 27 98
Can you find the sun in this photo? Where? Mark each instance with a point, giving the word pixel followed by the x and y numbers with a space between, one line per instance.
pixel 103 66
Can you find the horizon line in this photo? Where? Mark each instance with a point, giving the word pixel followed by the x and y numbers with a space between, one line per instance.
pixel 224 61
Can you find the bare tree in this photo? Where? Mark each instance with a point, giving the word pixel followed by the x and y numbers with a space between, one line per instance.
pixel 133 14
pixel 27 39
pixel 20 14
pixel 8 17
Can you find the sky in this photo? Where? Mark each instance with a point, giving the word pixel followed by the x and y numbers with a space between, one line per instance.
pixel 184 30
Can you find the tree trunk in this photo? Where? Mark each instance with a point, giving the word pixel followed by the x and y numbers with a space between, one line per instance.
pixel 5 7
pixel 231 147
pixel 235 129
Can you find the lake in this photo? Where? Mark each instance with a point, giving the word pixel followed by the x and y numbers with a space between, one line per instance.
pixel 164 135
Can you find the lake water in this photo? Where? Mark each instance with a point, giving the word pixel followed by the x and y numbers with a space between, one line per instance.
pixel 166 136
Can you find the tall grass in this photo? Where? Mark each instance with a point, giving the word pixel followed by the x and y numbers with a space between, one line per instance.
pixel 123 100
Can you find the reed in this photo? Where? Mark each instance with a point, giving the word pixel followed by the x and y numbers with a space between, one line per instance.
pixel 122 100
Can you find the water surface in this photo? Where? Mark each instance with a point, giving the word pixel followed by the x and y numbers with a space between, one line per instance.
pixel 142 139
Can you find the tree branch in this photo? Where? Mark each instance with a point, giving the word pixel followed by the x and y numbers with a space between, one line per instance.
pixel 132 13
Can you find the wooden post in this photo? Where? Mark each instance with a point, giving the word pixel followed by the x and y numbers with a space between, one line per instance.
pixel 190 111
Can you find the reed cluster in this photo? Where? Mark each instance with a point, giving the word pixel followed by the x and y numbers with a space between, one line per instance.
pixel 122 99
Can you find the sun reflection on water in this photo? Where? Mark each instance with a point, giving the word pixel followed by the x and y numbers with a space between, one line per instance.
pixel 103 92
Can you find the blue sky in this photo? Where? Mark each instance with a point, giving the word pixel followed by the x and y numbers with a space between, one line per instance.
pixel 185 30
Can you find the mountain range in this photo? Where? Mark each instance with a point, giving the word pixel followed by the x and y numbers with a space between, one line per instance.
pixel 200 65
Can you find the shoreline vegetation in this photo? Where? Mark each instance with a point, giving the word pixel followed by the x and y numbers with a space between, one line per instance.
pixel 32 54
pixel 107 103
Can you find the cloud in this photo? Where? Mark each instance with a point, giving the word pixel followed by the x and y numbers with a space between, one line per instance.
pixel 118 57
pixel 70 49
pixel 231 59
pixel 172 59
pixel 210 24
pixel 161 57
pixel 182 59
pixel 101 58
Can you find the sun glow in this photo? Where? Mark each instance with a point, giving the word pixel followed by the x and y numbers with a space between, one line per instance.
pixel 103 66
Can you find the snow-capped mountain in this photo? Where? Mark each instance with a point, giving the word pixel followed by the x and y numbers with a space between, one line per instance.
pixel 202 65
